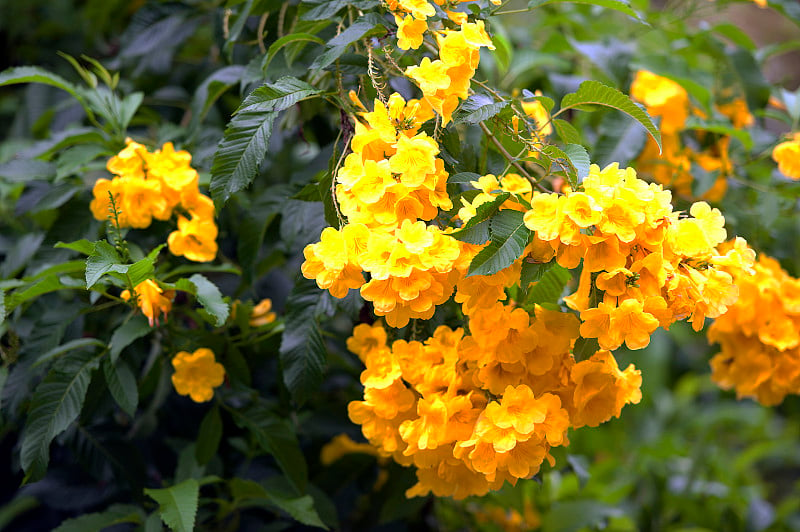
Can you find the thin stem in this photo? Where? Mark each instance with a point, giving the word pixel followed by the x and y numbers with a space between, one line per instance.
pixel 509 157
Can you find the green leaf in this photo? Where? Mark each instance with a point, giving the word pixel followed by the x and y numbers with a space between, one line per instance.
pixel 617 5
pixel 595 93
pixel 24 170
pixel 209 436
pixel 463 177
pixel 29 74
pixel 532 272
pixel 240 153
pixel 72 345
pixel 503 53
pixel 621 140
pixel 44 286
pixel 104 259
pixel 250 493
pixel 550 286
pixel 477 234
pixel 277 96
pixel 477 108
pixel 302 353
pixel 572 516
pixel 579 158
pixel 115 514
pixel 208 295
pixel 246 139
pixel 566 132
pixel 484 211
pixel 584 348
pixel 286 40
pixel 178 504
pixel 325 10
pixel 340 43
pixel 122 385
pixel 56 403
pixel 276 436
pixel 81 246
pixel 210 90
pixel 721 128
pixel 127 333
pixel 509 238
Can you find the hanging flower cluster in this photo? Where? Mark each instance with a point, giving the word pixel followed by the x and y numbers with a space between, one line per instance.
pixel 672 167
pixel 760 336
pixel 643 264
pixel 473 411
pixel 471 408
pixel 158 184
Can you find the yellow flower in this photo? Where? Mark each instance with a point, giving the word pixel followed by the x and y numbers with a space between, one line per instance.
pixel 195 239
pixel 410 32
pixel 430 75
pixel 662 97
pixel 262 314
pixel 151 299
pixel 787 155
pixel 341 445
pixel 197 374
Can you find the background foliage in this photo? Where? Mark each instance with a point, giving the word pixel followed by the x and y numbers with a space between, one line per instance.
pixel 82 370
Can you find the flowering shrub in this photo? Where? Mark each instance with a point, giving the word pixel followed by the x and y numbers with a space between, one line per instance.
pixel 317 263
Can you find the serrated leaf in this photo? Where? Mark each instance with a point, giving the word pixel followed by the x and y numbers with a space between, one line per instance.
pixel 127 333
pixel 483 212
pixel 208 295
pixel 276 437
pixel 566 132
pixel 104 259
pixel 616 5
pixel 477 108
pixel 532 272
pixel 56 403
pixel 509 238
pixel 595 93
pixel 246 139
pixel 477 234
pixel 303 355
pixel 178 504
pixel 115 514
pixel 550 286
pixel 554 154
pixel 122 385
pixel 579 158
pixel 72 345
pixel 209 436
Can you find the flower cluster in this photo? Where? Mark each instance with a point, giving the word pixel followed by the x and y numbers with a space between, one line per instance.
pixel 158 184
pixel 669 101
pixel 387 187
pixel 197 374
pixel 787 155
pixel 760 336
pixel 473 411
pixel 446 80
pixel 643 264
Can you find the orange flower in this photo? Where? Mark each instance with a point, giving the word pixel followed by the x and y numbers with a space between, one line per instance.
pixel 601 389
pixel 197 374
pixel 787 155
pixel 151 299
pixel 261 314
pixel 195 239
